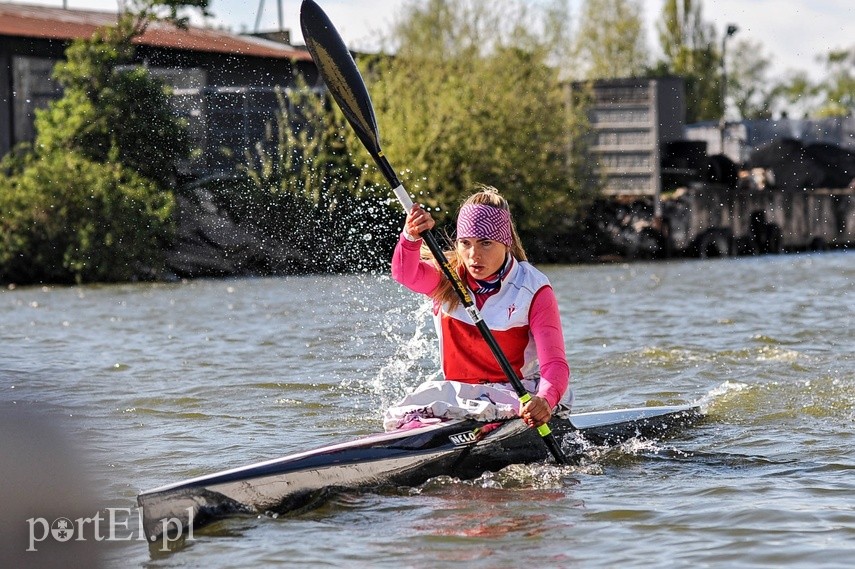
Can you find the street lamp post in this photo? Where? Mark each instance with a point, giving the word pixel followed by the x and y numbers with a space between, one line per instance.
pixel 731 29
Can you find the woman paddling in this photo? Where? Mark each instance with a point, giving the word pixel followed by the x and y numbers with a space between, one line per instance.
pixel 517 304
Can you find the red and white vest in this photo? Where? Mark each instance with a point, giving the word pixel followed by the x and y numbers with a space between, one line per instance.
pixel 466 357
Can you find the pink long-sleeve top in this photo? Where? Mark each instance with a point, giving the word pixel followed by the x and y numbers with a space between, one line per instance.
pixel 422 276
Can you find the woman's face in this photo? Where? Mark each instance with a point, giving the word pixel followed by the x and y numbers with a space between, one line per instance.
pixel 481 257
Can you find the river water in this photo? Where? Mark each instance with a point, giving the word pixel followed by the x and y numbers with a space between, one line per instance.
pixel 155 383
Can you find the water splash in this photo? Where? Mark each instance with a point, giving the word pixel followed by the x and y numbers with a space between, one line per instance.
pixel 823 397
pixel 537 476
pixel 777 354
pixel 720 394
pixel 415 358
pixel 673 356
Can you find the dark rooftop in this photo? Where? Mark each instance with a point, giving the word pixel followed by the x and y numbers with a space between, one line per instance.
pixel 22 20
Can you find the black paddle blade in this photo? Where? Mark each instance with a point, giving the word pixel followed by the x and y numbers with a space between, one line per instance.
pixel 340 73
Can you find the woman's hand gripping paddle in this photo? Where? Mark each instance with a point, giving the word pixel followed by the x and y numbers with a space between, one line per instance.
pixel 345 83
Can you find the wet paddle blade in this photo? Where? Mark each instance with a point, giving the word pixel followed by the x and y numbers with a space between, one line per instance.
pixel 340 73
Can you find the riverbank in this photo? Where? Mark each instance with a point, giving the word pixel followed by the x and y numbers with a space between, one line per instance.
pixel 209 243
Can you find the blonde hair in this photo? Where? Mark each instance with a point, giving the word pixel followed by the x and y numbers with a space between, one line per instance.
pixel 485 195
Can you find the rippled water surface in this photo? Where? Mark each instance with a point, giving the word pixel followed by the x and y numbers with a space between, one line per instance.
pixel 157 383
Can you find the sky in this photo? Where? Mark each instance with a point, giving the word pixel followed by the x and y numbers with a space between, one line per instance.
pixel 793 33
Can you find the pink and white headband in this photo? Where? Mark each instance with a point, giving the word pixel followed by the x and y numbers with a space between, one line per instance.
pixel 485 222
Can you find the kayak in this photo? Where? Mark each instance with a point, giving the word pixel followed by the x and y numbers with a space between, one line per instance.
pixel 464 449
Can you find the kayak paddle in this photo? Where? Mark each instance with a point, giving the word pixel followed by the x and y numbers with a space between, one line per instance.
pixel 345 83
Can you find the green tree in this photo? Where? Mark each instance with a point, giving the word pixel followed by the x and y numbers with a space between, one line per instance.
pixel 837 90
pixel 689 46
pixel 91 199
pixel 611 42
pixel 472 96
pixel 112 109
pixel 748 84
pixel 832 95
pixel 66 218
pixel 796 94
pixel 305 154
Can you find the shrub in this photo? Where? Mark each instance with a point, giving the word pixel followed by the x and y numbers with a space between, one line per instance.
pixel 65 218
